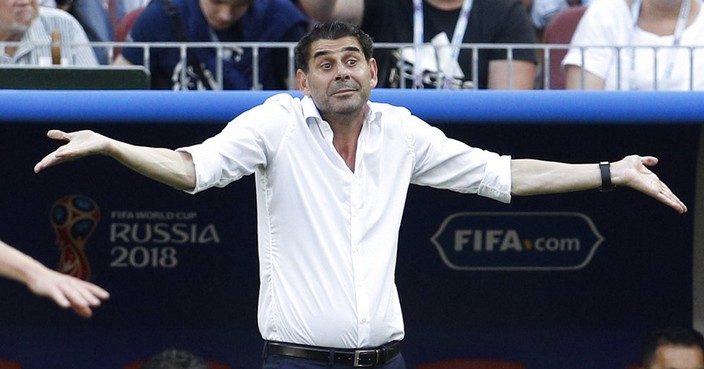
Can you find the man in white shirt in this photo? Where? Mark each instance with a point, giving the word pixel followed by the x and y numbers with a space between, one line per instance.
pixel 332 172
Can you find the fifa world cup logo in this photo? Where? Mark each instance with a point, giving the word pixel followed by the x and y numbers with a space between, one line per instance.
pixel 74 218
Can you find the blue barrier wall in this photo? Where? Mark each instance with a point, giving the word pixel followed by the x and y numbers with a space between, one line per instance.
pixel 440 106
pixel 601 269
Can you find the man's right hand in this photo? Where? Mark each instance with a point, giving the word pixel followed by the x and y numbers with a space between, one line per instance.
pixel 78 144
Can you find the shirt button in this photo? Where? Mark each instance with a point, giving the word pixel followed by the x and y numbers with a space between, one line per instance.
pixel 364 320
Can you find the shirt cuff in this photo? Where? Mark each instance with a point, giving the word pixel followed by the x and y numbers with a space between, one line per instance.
pixel 497 181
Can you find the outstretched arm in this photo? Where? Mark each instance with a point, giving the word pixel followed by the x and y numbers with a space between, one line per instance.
pixel 164 165
pixel 65 290
pixel 535 177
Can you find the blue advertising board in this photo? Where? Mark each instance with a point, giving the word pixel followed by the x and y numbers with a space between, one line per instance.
pixel 555 281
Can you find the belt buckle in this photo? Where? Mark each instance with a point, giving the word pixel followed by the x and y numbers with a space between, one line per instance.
pixel 361 354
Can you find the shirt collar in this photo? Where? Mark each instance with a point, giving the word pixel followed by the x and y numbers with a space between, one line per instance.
pixel 311 112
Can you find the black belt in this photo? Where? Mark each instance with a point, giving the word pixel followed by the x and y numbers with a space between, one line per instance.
pixel 357 358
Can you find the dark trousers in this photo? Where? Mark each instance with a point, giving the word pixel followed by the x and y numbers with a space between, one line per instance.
pixel 282 362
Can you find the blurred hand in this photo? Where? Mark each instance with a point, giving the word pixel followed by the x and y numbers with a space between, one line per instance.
pixel 67 291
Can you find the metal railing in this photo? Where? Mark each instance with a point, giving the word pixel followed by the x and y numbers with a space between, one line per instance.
pixel 545 54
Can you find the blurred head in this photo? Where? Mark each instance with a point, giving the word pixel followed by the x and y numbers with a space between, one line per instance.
pixel 222 14
pixel 175 359
pixel 335 67
pixel 673 348
pixel 15 17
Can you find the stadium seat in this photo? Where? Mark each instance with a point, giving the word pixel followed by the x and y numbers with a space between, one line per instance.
pixel 559 31
pixel 472 364
pixel 122 28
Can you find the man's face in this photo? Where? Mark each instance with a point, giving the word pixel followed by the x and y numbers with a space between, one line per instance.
pixel 17 15
pixel 678 357
pixel 339 78
pixel 222 14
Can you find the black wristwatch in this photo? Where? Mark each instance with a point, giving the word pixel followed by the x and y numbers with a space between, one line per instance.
pixel 606 185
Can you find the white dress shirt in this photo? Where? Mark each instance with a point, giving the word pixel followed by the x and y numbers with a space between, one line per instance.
pixel 328 236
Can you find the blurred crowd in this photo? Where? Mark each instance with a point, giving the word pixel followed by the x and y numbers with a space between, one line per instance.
pixel 515 44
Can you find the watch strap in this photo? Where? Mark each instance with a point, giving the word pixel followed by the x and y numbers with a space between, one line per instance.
pixel 605 169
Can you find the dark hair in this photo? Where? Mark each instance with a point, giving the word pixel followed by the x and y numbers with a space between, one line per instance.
pixel 330 31
pixel 678 336
pixel 175 359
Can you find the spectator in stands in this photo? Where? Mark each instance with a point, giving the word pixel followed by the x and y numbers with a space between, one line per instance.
pixel 673 348
pixel 30 28
pixel 216 21
pixel 175 359
pixel 332 171
pixel 489 22
pixel 542 11
pixel 65 290
pixel 644 23
pixel 95 20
